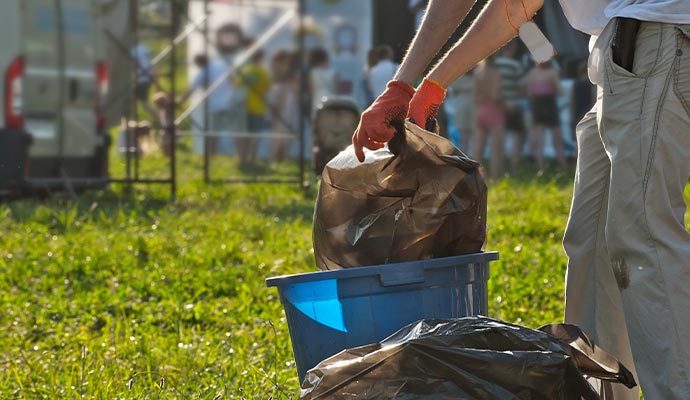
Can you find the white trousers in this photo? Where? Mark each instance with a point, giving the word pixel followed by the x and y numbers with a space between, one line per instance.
pixel 628 279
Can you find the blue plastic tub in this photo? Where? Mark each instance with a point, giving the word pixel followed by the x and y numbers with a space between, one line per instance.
pixel 331 311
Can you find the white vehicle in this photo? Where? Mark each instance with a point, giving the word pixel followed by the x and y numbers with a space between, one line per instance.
pixel 54 81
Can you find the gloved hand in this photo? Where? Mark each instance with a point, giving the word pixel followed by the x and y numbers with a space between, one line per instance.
pixel 375 128
pixel 426 102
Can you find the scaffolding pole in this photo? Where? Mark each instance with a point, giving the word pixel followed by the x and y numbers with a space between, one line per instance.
pixel 303 89
pixel 171 104
pixel 174 119
pixel 207 114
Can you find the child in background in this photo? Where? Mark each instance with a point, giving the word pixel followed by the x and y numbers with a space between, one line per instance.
pixel 490 115
pixel 161 101
pixel 256 80
pixel 462 92
pixel 543 88
pixel 321 78
pixel 372 59
pixel 283 102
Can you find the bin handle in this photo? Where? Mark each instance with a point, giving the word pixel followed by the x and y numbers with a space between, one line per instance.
pixel 399 278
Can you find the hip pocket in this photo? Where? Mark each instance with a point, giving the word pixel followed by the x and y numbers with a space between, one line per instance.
pixel 647 49
pixel 681 76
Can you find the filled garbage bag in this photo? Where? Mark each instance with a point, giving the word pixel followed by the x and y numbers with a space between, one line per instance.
pixel 468 358
pixel 418 198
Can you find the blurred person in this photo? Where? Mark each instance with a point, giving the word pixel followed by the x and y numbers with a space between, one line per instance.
pixel 462 91
pixel 161 102
pixel 256 80
pixel 322 78
pixel 219 100
pixel 543 88
pixel 284 102
pixel 512 74
pixel 345 62
pixel 372 59
pixel 383 70
pixel 145 76
pixel 417 8
pixel 626 240
pixel 132 137
pixel 582 97
pixel 490 115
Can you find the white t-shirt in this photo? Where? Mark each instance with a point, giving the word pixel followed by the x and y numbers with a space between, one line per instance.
pixel 380 74
pixel 348 69
pixel 144 66
pixel 323 85
pixel 591 16
pixel 220 98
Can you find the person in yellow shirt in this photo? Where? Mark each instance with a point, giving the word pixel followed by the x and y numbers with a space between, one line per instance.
pixel 256 79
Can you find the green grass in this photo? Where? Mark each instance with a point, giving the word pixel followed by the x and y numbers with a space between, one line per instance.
pixel 127 296
pixel 102 292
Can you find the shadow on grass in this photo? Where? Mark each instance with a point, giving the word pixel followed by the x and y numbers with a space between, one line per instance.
pixel 109 201
pixel 527 173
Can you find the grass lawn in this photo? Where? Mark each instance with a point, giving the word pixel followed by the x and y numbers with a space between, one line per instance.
pixel 129 296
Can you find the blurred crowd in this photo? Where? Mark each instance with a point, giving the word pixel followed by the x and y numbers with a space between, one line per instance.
pixel 504 109
pixel 511 104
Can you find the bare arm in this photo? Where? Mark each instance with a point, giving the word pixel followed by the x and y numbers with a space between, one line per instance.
pixel 441 19
pixel 487 34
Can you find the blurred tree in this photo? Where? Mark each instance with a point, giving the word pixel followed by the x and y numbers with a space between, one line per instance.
pixel 158 13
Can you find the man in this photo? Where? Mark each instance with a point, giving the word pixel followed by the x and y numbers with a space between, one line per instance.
pixel 490 116
pixel 219 100
pixel 628 281
pixel 145 76
pixel 512 74
pixel 383 71
pixel 256 80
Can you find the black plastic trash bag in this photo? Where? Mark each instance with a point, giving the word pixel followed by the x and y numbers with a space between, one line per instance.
pixel 467 358
pixel 420 198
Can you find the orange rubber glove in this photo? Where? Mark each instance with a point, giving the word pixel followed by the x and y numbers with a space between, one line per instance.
pixel 426 102
pixel 375 128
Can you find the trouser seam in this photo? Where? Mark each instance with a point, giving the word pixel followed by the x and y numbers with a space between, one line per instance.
pixel 597 221
pixel 655 131
pixel 654 245
pixel 652 242
pixel 602 206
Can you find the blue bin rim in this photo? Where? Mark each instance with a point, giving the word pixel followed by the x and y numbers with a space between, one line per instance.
pixel 359 272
